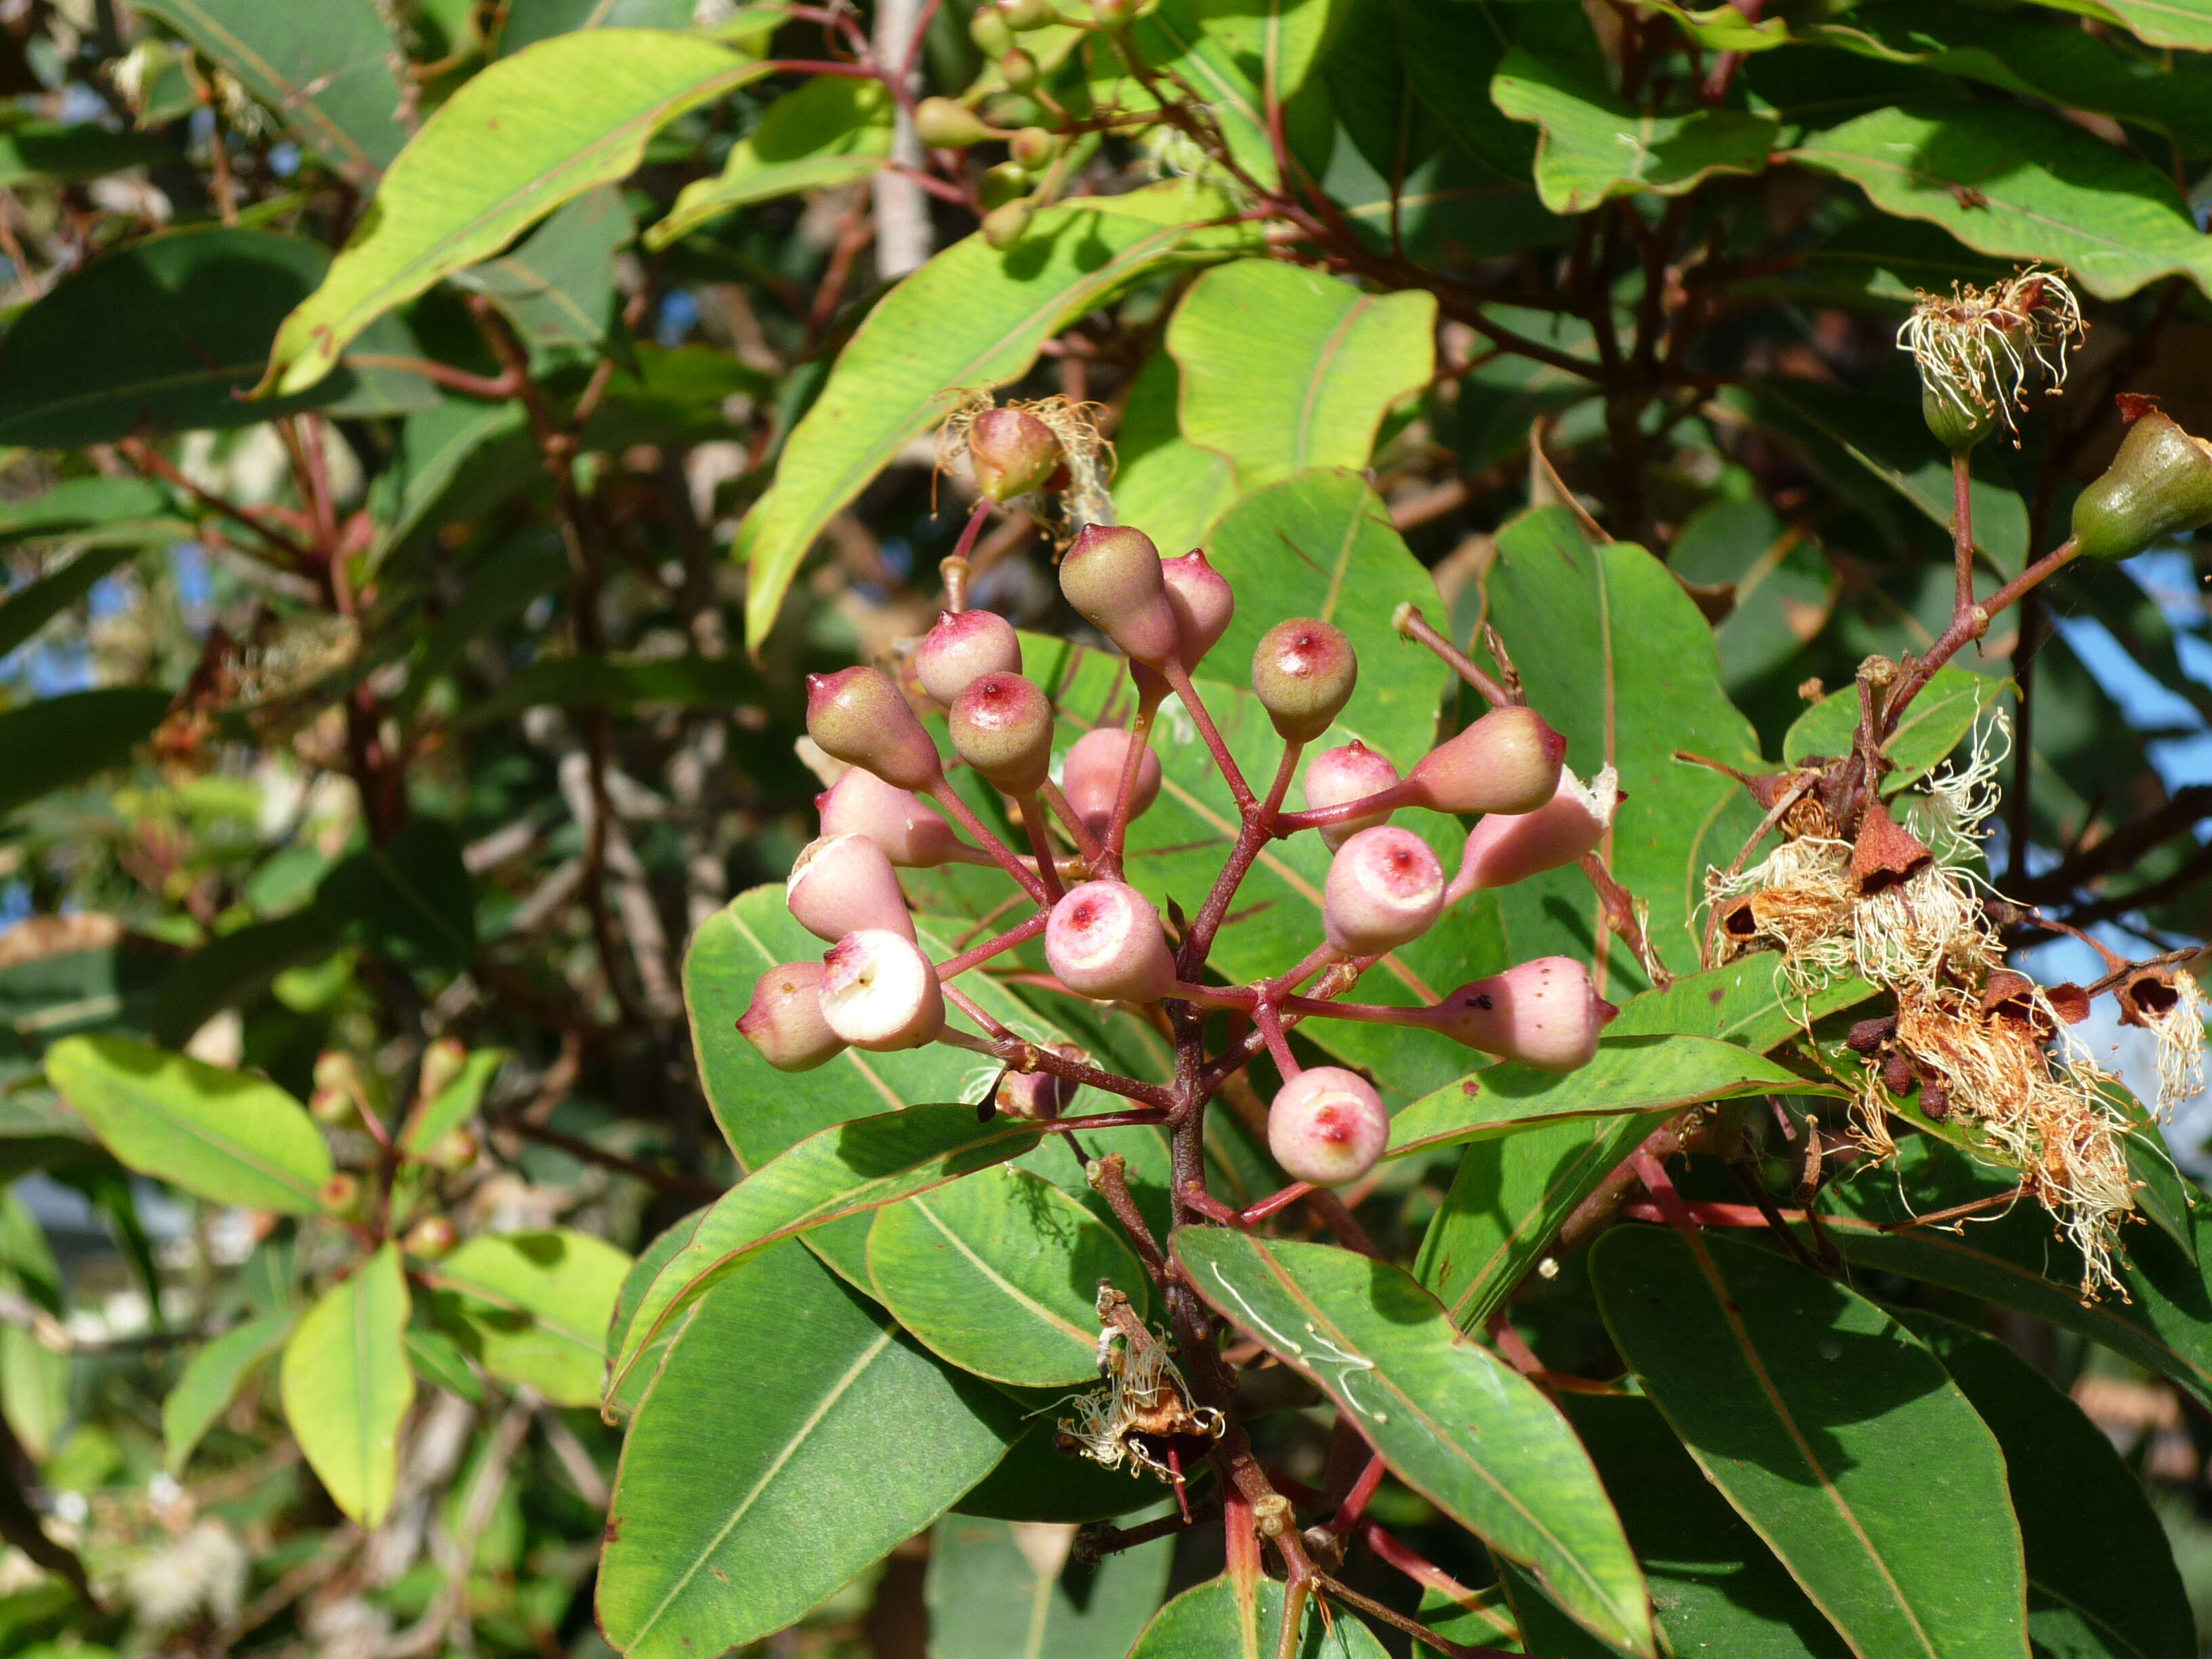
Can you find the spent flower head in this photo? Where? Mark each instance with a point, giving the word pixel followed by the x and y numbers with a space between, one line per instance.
pixel 1979 350
pixel 983 436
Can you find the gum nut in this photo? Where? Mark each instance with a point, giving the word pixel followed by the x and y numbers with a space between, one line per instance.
pixel 2159 485
pixel 1002 726
pixel 1011 452
pixel 1352 772
pixel 841 883
pixel 432 1238
pixel 1509 847
pixel 1506 762
pixel 1033 148
pixel 1385 888
pixel 1203 603
pixel 990 31
pixel 1544 1013
pixel 1004 185
pixel 442 1062
pixel 1304 671
pixel 1004 224
pixel 1090 777
pixel 858 716
pixel 945 124
pixel 784 1019
pixel 913 834
pixel 1023 14
pixel 1037 1095
pixel 1019 69
pixel 880 992
pixel 1328 1126
pixel 1104 940
pixel 1111 575
pixel 963 647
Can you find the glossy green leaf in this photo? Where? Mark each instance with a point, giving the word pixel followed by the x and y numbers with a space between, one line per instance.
pixel 1936 723
pixel 56 742
pixel 972 318
pixel 1037 1481
pixel 1746 1003
pixel 558 284
pixel 211 1380
pixel 2100 1574
pixel 453 1106
pixel 31 606
pixel 528 21
pixel 1311 388
pixel 332 82
pixel 517 141
pixel 622 1400
pixel 999 1274
pixel 1228 1618
pixel 1162 482
pixel 831 130
pixel 34 1380
pixel 1629 1075
pixel 407 898
pixel 833 1439
pixel 1455 1422
pixel 1479 1618
pixel 347 1386
pixel 846 1169
pixel 32 151
pixel 221 1135
pixel 1594 147
pixel 2184 23
pixel 1011 1589
pixel 534 1307
pixel 1812 1410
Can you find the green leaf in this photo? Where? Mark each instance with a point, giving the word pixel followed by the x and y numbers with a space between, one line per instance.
pixel 31 606
pixel 1011 1589
pixel 55 742
pixel 330 79
pixel 1723 28
pixel 1594 147
pixel 1455 1422
pixel 999 1274
pixel 89 504
pixel 621 1399
pixel 562 682
pixel 557 285
pixel 234 968
pixel 1233 56
pixel 973 317
pixel 1037 1481
pixel 832 1439
pixel 831 131
pixel 1782 585
pixel 2184 23
pixel 2033 187
pixel 517 141
pixel 1311 387
pixel 1935 724
pixel 1812 1410
pixel 204 304
pixel 1226 1618
pixel 347 1386
pixel 1162 481
pixel 34 1380
pixel 211 1380
pixel 2100 1574
pixel 1744 1003
pixel 454 461
pixel 33 151
pixel 407 899
pixel 453 1106
pixel 528 21
pixel 439 1361
pixel 846 1169
pixel 536 1306
pixel 219 1135
pixel 1635 1075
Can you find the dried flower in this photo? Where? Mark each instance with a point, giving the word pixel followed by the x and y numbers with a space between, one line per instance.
pixel 1978 350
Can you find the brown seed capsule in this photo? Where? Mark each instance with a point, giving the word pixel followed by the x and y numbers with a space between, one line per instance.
pixel 1111 575
pixel 1885 851
pixel 1304 671
pixel 858 716
pixel 1002 726
pixel 1897 1073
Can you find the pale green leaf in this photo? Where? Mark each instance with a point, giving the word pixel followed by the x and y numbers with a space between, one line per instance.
pixel 1162 482
pixel 534 1307
pixel 211 1380
pixel 453 1106
pixel 2183 23
pixel 1013 1589
pixel 347 1386
pixel 832 130
pixel 557 285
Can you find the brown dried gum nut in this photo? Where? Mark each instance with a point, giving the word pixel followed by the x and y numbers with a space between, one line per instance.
pixel 1886 852
pixel 2147 995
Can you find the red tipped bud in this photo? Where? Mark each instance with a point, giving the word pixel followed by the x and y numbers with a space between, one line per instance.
pixel 1304 671
pixel 945 124
pixel 858 716
pixel 1004 224
pixel 1509 847
pixel 1385 888
pixel 1203 602
pixel 784 1019
pixel 1506 762
pixel 342 1196
pixel 1091 777
pixel 1350 773
pixel 334 1107
pixel 1328 1126
pixel 452 1152
pixel 1104 940
pixel 1019 69
pixel 911 832
pixel 1034 149
pixel 841 883
pixel 431 1238
pixel 1011 452
pixel 962 649
pixel 442 1062
pixel 1002 726
pixel 879 992
pixel 1544 1013
pixel 1112 576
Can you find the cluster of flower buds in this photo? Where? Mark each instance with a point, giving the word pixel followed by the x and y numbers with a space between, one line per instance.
pixel 876 988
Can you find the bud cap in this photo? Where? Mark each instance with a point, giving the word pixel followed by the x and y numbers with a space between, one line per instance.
pixel 1091 777
pixel 1349 773
pixel 963 647
pixel 1328 1126
pixel 1002 726
pixel 912 833
pixel 1105 940
pixel 880 992
pixel 1203 603
pixel 1509 847
pixel 1385 888
pixel 1304 671
pixel 1011 452
pixel 841 884
pixel 858 716
pixel 1506 762
pixel 1544 1013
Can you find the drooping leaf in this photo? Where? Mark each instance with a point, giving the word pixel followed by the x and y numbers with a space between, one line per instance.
pixel 221 1135
pixel 846 1440
pixel 1013 1589
pixel 1229 1618
pixel 1454 1421
pixel 535 1307
pixel 1812 1410
pixel 211 1380
pixel 831 130
pixel 517 141
pixel 558 284
pixel 57 741
pixel 1935 724
pixel 347 1386
pixel 453 1106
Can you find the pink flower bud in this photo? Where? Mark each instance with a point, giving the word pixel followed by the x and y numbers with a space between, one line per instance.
pixel 1385 888
pixel 962 649
pixel 1304 671
pixel 1350 773
pixel 1328 1126
pixel 879 992
pixel 1002 726
pixel 841 883
pixel 1111 575
pixel 1011 452
pixel 1544 1013
pixel 784 1019
pixel 911 832
pixel 1509 847
pixel 1039 1094
pixel 1506 762
pixel 858 716
pixel 1091 777
pixel 1202 601
pixel 1104 940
